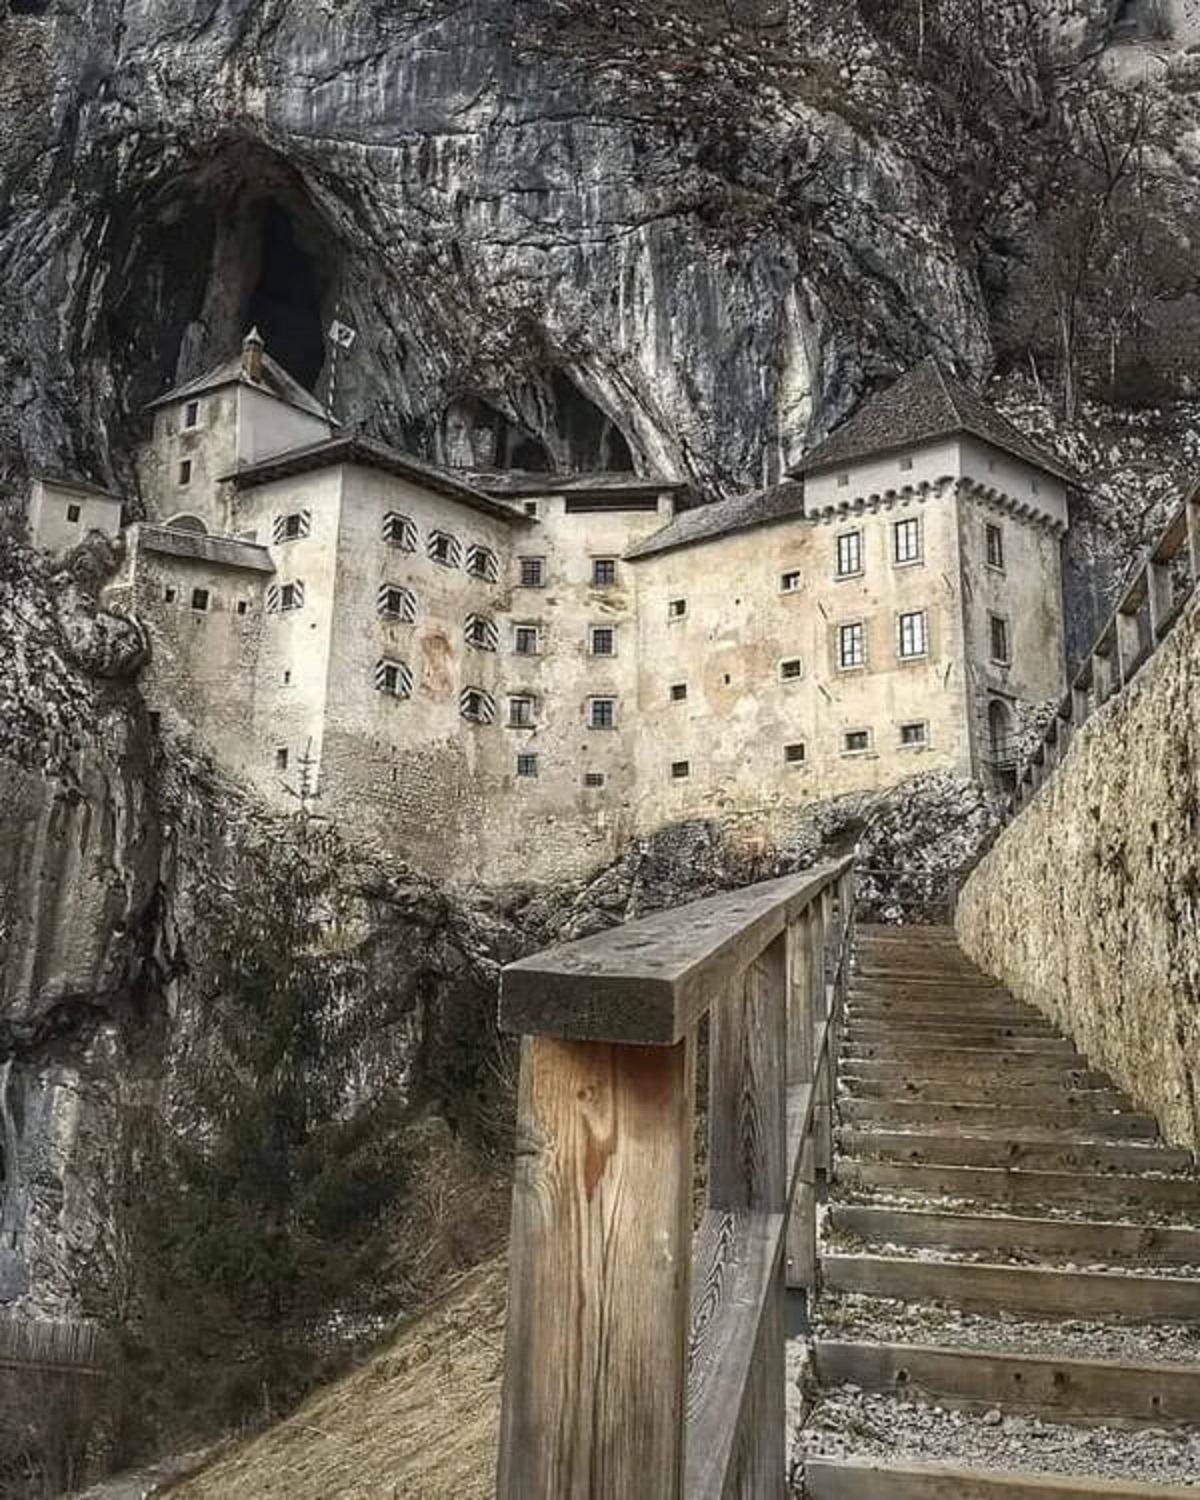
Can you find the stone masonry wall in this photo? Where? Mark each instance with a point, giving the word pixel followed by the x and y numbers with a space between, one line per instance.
pixel 1088 906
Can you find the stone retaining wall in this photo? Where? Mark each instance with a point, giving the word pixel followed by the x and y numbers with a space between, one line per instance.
pixel 1088 906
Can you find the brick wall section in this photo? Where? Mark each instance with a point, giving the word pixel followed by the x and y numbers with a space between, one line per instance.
pixel 1088 906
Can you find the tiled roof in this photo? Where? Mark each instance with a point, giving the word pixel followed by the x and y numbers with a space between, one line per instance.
pixel 740 513
pixel 275 382
pixel 230 551
pixel 923 405
pixel 353 448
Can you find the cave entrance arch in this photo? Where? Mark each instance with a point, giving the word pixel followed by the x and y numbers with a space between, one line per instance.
pixel 285 303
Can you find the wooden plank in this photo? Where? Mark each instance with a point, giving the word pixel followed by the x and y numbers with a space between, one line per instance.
pixel 734 1284
pixel 595 1355
pixel 1050 1386
pixel 905 1112
pixel 651 980
pixel 1019 1070
pixel 964 1049
pixel 962 1090
pixel 1066 1239
pixel 961 1149
pixel 882 1479
pixel 1026 1188
pixel 802 1223
pixel 864 1023
pixel 974 1286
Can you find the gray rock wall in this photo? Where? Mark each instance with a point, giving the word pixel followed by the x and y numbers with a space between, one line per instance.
pixel 1088 906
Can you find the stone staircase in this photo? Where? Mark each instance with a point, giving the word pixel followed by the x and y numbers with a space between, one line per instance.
pixel 1010 1258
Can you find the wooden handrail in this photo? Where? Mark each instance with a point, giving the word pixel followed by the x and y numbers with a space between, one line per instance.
pixel 641 1360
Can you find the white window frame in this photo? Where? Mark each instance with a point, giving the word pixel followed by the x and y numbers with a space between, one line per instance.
pixel 531 559
pixel 918 744
pixel 791 582
pixel 865 749
pixel 917 633
pixel 513 720
pixel 592 705
pixel 192 408
pixel 906 526
pixel 1002 620
pixel 855 535
pixel 598 562
pixel 184 473
pixel 791 661
pixel 797 760
pixel 676 610
pixel 851 625
pixel 611 632
pixel 681 770
pixel 527 765
pixel 535 630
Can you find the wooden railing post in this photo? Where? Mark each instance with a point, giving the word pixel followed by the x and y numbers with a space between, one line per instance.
pixel 1192 511
pixel 802 1222
pixel 1129 645
pixel 822 1102
pixel 1158 584
pixel 596 1352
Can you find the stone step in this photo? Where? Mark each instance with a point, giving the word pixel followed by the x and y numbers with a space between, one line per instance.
pixel 1029 1291
pixel 986 1070
pixel 1087 1240
pixel 963 1148
pixel 1048 1385
pixel 907 1112
pixel 1048 1091
pixel 1026 1188
pixel 886 1479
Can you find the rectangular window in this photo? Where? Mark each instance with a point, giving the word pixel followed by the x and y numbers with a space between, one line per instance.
pixel 791 670
pixel 527 765
pixel 476 706
pixel 531 508
pixel 794 754
pixel 291 596
pixel 281 758
pixel 906 541
pixel 604 572
pixel 680 770
pixel 482 564
pixel 856 741
pixel 905 465
pixel 678 692
pixel 242 606
pixel 995 546
pixel 676 609
pixel 912 635
pixel 395 602
pixel 399 532
pixel 74 512
pixel 593 779
pixel 200 599
pixel 445 549
pixel 1001 651
pixel 602 713
pixel 843 481
pixel 533 572
pixel 914 734
pixel 185 472
pixel 604 640
pixel 393 678
pixel 527 640
pixel 291 528
pixel 481 633
pixel 522 712
pixel 849 554
pixel 851 646
pixel 191 415
pixel 789 583
pixel 168 596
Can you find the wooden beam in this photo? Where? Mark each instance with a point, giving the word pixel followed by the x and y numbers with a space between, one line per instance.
pixel 651 980
pixel 1025 1188
pixel 599 1264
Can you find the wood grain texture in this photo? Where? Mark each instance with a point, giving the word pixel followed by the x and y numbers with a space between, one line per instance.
pixel 651 980
pixel 600 1259
pixel 802 1224
pixel 1007 1148
pixel 799 999
pixel 866 1479
pixel 1028 1188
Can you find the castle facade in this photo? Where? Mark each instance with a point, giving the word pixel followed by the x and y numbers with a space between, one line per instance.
pixel 505 676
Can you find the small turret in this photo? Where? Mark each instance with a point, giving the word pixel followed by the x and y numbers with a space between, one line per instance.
pixel 252 355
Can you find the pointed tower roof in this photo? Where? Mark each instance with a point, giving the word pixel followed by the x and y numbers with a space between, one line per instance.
pixel 272 380
pixel 923 405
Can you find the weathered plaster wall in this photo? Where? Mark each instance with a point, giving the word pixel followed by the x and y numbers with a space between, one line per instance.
pixel 1088 906
pixel 210 447
pixel 51 504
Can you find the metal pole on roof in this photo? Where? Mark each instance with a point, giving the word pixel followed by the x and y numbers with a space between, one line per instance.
pixel 341 336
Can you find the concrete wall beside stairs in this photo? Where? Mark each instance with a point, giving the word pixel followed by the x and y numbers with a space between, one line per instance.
pixel 1088 905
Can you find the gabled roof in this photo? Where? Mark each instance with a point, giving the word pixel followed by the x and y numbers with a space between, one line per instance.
pixel 739 513
pixel 921 406
pixel 354 448
pixel 275 382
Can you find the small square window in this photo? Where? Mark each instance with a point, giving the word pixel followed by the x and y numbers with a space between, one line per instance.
pixel 287 676
pixel 291 596
pixel 521 713
pixel 602 713
pixel 531 508
pixel 914 734
pixel 791 670
pixel 1000 646
pixel 527 765
pixel 593 779
pixel 604 572
pixel 678 692
pixel 477 706
pixel 191 415
pixel 849 554
pixel 527 640
pixel 533 572
pixel 906 541
pixel 200 600
pixel 281 759
pixel 843 481
pixel 856 741
pixel 74 512
pixel 482 563
pixel 481 632
pixel 242 606
pixel 995 546
pixel 676 609
pixel 680 770
pixel 789 583
pixel 1035 486
pixel 851 646
pixel 185 472
pixel 169 596
pixel 444 549
pixel 906 465
pixel 604 640
pixel 395 602
pixel 399 532
pixel 912 635
pixel 794 754
pixel 393 678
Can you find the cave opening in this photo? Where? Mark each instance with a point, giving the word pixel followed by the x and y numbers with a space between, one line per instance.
pixel 28 7
pixel 285 303
pixel 591 439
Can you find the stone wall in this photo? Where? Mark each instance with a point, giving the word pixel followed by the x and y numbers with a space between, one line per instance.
pixel 1088 906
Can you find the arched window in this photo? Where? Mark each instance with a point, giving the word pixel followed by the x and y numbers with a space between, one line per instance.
pixel 1002 750
pixel 184 521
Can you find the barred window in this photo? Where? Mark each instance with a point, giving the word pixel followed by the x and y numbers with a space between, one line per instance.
pixel 480 632
pixel 395 602
pixel 906 540
pixel 602 713
pixel 794 754
pixel 282 597
pixel 679 692
pixel 849 554
pixel 522 711
pixel 527 640
pixel 477 706
pixel 481 563
pixel 533 572
pixel 527 765
pixel 852 651
pixel 912 634
pixel 445 549
pixel 604 640
pixel 593 779
pixel 200 598
pixel 604 572
pixel 856 741
pixel 1000 646
pixel 191 416
pixel 791 670
pixel 292 527
pixel 399 532
pixel 393 678
pixel 680 770
pixel 995 546
pixel 916 733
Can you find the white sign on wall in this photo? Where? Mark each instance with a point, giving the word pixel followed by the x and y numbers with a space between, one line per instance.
pixel 342 334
